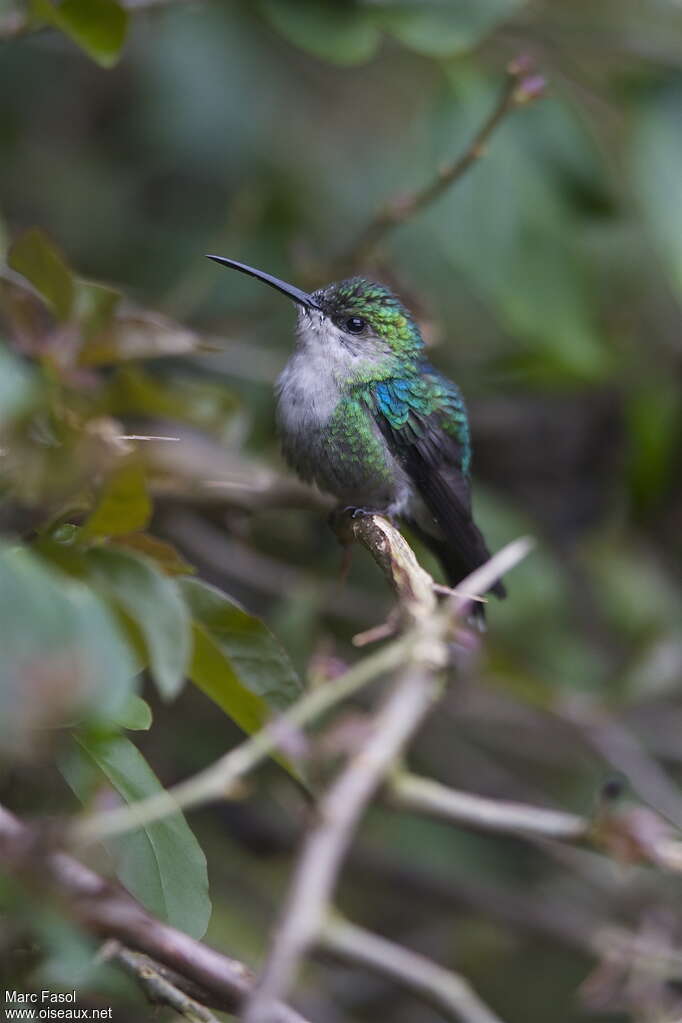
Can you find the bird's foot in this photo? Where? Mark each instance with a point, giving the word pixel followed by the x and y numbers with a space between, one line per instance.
pixel 357 513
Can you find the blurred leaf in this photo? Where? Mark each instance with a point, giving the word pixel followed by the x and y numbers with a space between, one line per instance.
pixel 656 160
pixel 60 547
pixel 95 306
pixel 97 26
pixel 441 28
pixel 124 505
pixel 162 864
pixel 26 313
pixel 236 659
pixel 197 400
pixel 143 336
pixel 261 661
pixel 154 603
pixel 17 386
pixel 70 955
pixel 63 655
pixel 350 33
pixel 136 715
pixel 39 260
pixel 632 588
pixel 655 417
pixel 340 33
pixel 520 255
pixel 167 558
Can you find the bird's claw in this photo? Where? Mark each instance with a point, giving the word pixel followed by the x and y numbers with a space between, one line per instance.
pixel 357 513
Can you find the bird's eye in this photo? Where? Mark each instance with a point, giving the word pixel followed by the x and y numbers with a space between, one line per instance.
pixel 355 324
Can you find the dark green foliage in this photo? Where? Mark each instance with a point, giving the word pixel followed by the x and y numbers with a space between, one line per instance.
pixel 97 26
pixel 549 283
pixel 162 863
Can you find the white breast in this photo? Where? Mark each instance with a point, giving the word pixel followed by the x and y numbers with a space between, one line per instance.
pixel 309 389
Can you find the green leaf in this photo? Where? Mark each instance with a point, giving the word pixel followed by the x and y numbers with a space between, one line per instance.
pixel 98 26
pixel 523 256
pixel 154 603
pixel 236 659
pixel 655 422
pixel 95 306
pixel 340 33
pixel 124 505
pixel 39 260
pixel 63 655
pixel 656 161
pixel 202 402
pixel 164 554
pixel 136 716
pixel 162 864
pixel 442 28
pixel 17 386
pixel 349 33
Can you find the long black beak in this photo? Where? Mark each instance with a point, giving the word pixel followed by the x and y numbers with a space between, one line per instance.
pixel 302 297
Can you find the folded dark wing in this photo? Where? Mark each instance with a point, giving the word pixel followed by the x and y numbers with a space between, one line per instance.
pixel 425 424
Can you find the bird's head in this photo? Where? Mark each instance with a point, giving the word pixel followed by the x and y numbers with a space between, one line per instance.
pixel 365 318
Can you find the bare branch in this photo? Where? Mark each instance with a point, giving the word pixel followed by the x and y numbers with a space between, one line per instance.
pixel 218 780
pixel 481 579
pixel 421 795
pixel 624 752
pixel 158 988
pixel 107 910
pixel 338 814
pixel 444 990
pixel 636 835
pixel 519 88
pixel 413 586
pixel 417 645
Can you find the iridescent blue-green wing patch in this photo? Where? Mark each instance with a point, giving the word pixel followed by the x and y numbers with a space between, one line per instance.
pixel 424 420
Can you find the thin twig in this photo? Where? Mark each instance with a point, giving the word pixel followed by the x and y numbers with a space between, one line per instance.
pixel 110 912
pixel 446 991
pixel 339 812
pixel 637 835
pixel 519 89
pixel 159 989
pixel 218 780
pixel 406 791
pixel 624 752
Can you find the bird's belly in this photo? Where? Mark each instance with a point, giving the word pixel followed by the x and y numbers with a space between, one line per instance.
pixel 343 452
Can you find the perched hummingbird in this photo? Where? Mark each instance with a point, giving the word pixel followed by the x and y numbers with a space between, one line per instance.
pixel 363 414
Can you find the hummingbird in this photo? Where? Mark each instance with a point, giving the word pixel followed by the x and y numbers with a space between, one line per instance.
pixel 363 414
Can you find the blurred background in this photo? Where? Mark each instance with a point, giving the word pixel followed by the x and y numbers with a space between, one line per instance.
pixel 548 282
